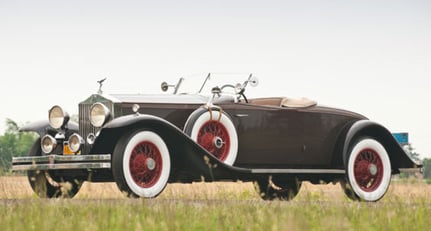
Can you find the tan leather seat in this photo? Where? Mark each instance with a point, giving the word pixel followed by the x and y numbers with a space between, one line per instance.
pixel 274 101
pixel 283 102
pixel 297 103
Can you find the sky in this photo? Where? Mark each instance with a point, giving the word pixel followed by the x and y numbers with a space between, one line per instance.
pixel 371 57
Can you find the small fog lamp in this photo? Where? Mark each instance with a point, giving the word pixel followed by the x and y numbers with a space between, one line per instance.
pixel 48 144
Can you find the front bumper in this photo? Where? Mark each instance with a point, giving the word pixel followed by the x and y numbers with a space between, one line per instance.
pixel 53 162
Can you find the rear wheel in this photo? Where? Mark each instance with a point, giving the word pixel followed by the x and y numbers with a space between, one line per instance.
pixel 141 164
pixel 368 171
pixel 281 189
pixel 47 184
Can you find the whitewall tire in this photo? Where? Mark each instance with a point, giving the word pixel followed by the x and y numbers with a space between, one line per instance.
pixel 141 164
pixel 368 170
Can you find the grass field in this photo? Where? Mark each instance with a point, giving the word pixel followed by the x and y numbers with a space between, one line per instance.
pixel 213 206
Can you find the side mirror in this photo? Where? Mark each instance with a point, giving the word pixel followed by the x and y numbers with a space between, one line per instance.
pixel 164 86
pixel 254 81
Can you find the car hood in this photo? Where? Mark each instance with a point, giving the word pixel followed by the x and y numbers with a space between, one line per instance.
pixel 160 98
pixel 148 98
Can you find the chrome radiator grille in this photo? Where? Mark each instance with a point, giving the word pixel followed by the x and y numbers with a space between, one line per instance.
pixel 85 126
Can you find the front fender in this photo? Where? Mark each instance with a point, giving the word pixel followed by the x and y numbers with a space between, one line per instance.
pixel 366 128
pixel 42 127
pixel 189 160
pixel 118 127
pixel 128 120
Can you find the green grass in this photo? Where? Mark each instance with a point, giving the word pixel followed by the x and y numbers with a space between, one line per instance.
pixel 219 206
pixel 211 215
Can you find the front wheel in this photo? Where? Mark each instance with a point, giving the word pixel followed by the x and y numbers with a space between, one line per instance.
pixel 368 171
pixel 141 164
pixel 47 184
pixel 282 189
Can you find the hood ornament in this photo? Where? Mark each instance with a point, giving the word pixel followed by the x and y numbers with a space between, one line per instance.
pixel 100 82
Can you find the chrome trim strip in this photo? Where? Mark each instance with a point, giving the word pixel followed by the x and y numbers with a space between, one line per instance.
pixel 300 171
pixel 61 166
pixel 61 158
pixel 410 170
pixel 241 115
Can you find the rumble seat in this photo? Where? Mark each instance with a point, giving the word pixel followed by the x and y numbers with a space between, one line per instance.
pixel 283 102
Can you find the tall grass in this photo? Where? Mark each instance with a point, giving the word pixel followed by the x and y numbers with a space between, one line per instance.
pixel 215 206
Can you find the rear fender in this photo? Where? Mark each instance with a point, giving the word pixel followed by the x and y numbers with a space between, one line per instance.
pixel 365 128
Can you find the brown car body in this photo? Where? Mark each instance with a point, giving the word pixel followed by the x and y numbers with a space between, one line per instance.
pixel 277 137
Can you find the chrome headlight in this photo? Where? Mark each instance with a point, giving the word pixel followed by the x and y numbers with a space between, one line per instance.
pixel 99 115
pixel 75 142
pixel 57 117
pixel 48 144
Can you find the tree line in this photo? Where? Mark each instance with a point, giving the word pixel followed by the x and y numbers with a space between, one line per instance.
pixel 14 143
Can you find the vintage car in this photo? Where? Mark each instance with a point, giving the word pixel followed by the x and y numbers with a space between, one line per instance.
pixel 214 133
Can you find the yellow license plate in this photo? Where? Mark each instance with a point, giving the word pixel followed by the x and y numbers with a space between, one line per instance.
pixel 67 151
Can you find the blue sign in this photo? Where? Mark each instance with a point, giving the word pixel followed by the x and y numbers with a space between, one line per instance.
pixel 402 137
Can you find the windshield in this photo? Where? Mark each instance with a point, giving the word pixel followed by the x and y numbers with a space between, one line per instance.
pixel 203 84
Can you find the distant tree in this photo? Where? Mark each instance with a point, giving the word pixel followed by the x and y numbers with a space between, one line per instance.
pixel 74 118
pixel 411 152
pixel 427 168
pixel 414 155
pixel 13 143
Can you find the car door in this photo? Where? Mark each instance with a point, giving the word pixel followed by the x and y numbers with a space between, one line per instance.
pixel 282 137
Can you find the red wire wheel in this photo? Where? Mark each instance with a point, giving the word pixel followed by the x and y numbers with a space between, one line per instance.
pixel 368 171
pixel 368 168
pixel 145 164
pixel 214 137
pixel 141 164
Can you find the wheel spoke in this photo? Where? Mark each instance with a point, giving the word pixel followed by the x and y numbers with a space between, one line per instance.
pixel 141 173
pixel 209 134
pixel 368 170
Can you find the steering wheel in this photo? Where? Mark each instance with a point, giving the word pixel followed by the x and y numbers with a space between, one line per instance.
pixel 240 92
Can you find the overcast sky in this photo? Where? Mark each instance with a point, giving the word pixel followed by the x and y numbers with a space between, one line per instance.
pixel 371 57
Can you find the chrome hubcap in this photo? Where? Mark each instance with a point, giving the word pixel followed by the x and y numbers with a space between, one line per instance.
pixel 218 142
pixel 151 163
pixel 373 169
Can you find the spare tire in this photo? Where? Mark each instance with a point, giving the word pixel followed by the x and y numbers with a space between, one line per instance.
pixel 215 132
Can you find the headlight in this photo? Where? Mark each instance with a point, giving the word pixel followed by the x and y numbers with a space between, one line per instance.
pixel 99 115
pixel 75 142
pixel 57 117
pixel 48 143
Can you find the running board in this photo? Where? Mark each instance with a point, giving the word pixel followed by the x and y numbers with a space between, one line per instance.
pixel 298 171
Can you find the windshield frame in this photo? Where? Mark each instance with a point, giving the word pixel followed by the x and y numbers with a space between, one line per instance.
pixel 191 85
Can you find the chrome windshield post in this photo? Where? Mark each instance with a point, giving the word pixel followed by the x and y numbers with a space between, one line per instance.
pixel 177 86
pixel 206 80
